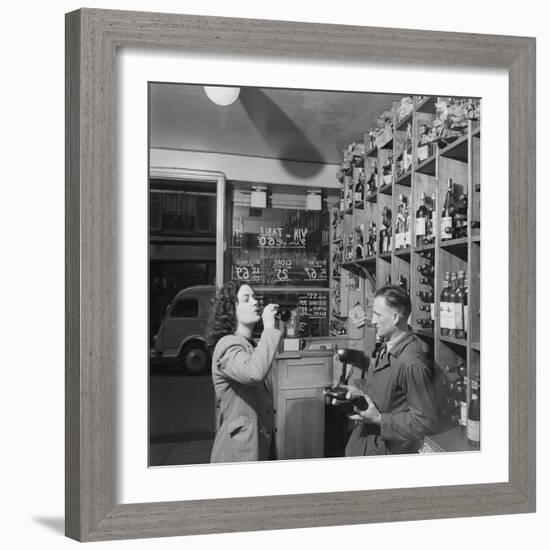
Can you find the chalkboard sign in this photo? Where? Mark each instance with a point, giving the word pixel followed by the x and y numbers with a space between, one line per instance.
pixel 280 247
pixel 312 307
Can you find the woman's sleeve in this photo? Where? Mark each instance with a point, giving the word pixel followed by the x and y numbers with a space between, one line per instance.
pixel 240 365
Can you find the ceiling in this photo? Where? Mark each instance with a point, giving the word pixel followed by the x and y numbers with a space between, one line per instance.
pixel 296 125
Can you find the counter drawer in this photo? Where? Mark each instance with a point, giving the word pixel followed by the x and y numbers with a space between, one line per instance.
pixel 305 372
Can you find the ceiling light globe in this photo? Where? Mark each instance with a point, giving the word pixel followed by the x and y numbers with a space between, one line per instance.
pixel 222 95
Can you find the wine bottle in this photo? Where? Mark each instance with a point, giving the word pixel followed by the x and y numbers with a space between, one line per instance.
pixel 459 307
pixel 455 317
pixel 400 224
pixel 427 270
pixel 447 213
pixel 425 322
pixel 426 281
pixel 427 254
pixel 422 214
pixel 464 301
pixel 430 222
pixel 407 224
pixel 388 280
pixel 473 421
pixel 463 404
pixel 360 188
pixel 427 297
pixel 402 282
pixel 444 306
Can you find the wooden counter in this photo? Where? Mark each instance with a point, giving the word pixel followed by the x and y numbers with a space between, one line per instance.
pixel 298 382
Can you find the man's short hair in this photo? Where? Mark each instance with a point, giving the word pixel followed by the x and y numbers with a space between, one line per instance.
pixel 396 298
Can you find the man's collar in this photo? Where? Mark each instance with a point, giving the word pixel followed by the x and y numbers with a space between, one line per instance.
pixel 401 342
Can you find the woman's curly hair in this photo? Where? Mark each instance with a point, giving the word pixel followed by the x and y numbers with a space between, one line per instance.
pixel 223 315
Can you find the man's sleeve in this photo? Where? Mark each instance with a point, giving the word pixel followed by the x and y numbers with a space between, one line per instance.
pixel 421 416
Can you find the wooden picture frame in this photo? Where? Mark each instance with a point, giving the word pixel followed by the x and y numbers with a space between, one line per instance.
pixel 92 39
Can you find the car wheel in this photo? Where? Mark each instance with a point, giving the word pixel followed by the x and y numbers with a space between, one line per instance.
pixel 194 359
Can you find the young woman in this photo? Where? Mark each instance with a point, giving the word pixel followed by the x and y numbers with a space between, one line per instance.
pixel 241 372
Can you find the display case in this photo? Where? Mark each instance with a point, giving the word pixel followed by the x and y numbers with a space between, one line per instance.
pixel 419 220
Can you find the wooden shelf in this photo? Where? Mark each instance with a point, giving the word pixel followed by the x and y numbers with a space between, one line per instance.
pixel 405 179
pixel 402 125
pixel 372 197
pixel 427 166
pixel 424 247
pixel 427 105
pixel 403 252
pixel 366 261
pixel 387 145
pixel 455 341
pixel 372 153
pixel 358 205
pixel 354 267
pixel 455 157
pixel 457 247
pixel 458 150
pixel 385 189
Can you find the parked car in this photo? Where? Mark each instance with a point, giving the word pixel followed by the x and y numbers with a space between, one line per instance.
pixel 181 336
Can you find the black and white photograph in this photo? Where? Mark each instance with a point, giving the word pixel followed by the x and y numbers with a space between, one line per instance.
pixel 314 274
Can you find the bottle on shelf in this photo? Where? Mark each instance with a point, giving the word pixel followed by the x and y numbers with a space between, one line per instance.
pixel 427 255
pixel 400 224
pixel 444 305
pixel 425 322
pixel 463 403
pixel 429 238
pixel 426 270
pixel 426 296
pixel 426 281
pixel 473 421
pixel 423 149
pixel 387 170
pixel 464 300
pixel 385 232
pixel 359 196
pixel 371 241
pixel 455 304
pixel 459 307
pixel 407 229
pixel 359 244
pixel 371 183
pixel 447 213
pixel 388 280
pixel 422 214
pixel 342 204
pixel 402 282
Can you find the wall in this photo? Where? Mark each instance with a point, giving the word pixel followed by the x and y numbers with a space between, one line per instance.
pixel 243 168
pixel 33 228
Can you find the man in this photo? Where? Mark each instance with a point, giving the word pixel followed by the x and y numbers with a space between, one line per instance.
pixel 398 386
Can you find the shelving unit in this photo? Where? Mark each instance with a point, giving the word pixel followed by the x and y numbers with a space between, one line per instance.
pixel 415 169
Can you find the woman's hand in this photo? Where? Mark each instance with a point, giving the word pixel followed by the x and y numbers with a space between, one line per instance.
pixel 268 315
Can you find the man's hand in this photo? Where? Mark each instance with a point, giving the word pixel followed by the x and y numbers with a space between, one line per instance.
pixel 370 415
